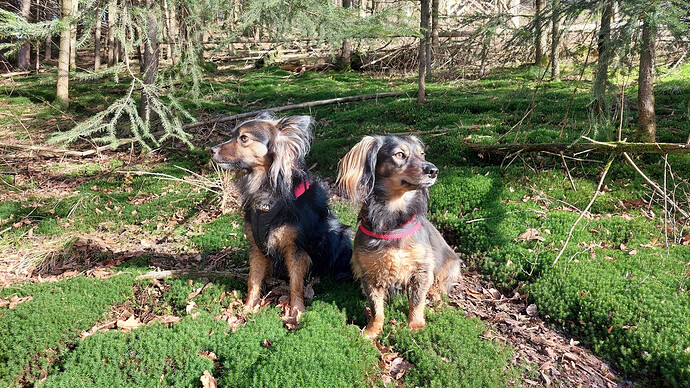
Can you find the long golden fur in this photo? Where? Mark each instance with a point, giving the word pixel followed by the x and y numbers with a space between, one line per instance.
pixel 395 247
pixel 288 223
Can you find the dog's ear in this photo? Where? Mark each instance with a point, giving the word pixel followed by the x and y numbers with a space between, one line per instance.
pixel 289 146
pixel 265 115
pixel 357 169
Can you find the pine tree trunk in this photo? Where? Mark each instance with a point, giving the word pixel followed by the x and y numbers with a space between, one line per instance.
pixel 555 40
pixel 63 57
pixel 48 49
pixel 38 57
pixel 434 26
pixel 150 61
pixel 24 53
pixel 605 54
pixel 48 55
pixel 646 130
pixel 111 32
pixel 73 32
pixel 97 41
pixel 424 29
pixel 539 43
pixel 346 51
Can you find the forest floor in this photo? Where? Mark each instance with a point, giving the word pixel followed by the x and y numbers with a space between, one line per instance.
pixel 76 232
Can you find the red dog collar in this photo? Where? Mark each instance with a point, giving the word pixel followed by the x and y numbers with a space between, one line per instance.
pixel 301 189
pixel 406 229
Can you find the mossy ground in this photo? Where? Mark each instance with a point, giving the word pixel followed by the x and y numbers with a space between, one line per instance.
pixel 630 307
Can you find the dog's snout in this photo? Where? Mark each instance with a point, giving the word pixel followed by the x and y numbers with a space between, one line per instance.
pixel 214 151
pixel 430 170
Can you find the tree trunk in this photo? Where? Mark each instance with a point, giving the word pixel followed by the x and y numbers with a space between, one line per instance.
pixel 97 41
pixel 539 43
pixel 150 61
pixel 434 25
pixel 605 54
pixel 555 40
pixel 514 10
pixel 346 51
pixel 24 53
pixel 111 32
pixel 47 15
pixel 38 57
pixel 73 32
pixel 646 130
pixel 48 49
pixel 63 57
pixel 424 29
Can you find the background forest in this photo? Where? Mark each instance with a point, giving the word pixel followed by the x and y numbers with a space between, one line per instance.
pixel 561 127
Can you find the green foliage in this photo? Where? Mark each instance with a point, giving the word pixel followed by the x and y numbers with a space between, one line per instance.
pixel 451 351
pixel 39 331
pixel 630 308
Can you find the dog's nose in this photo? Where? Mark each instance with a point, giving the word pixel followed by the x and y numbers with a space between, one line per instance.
pixel 214 151
pixel 431 170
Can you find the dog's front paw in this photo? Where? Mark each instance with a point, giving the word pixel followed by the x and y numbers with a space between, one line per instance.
pixel 416 325
pixel 372 331
pixel 252 306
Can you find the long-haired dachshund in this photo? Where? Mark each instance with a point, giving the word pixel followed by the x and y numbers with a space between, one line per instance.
pixel 287 220
pixel 395 246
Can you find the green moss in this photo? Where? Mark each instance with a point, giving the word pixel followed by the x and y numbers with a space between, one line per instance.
pixel 39 331
pixel 452 352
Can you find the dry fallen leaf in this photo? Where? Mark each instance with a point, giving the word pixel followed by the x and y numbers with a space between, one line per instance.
pixel 208 354
pixel 168 319
pixel 129 324
pixel 16 301
pixel 399 367
pixel 530 235
pixel 208 381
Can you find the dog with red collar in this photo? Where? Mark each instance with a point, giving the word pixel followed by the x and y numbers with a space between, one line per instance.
pixel 290 228
pixel 395 246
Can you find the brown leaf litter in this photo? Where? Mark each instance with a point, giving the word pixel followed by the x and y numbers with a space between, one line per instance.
pixel 562 362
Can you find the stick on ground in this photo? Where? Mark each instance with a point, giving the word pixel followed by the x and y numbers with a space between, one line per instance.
pixel 226 118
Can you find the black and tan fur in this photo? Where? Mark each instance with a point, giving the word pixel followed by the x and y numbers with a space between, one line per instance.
pixel 390 177
pixel 303 236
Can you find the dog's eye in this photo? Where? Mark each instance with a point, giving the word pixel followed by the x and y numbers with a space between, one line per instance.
pixel 400 155
pixel 244 138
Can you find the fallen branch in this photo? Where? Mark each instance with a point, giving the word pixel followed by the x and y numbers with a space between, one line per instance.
pixel 66 152
pixel 15 74
pixel 614 147
pixel 176 273
pixel 582 214
pixel 226 118
pixel 656 187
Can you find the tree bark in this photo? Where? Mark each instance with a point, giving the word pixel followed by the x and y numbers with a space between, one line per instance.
pixel 605 54
pixel 346 50
pixel 112 6
pixel 646 130
pixel 24 53
pixel 48 49
pixel 555 40
pixel 63 57
pixel 150 61
pixel 539 43
pixel 424 30
pixel 73 37
pixel 47 15
pixel 97 41
pixel 435 43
